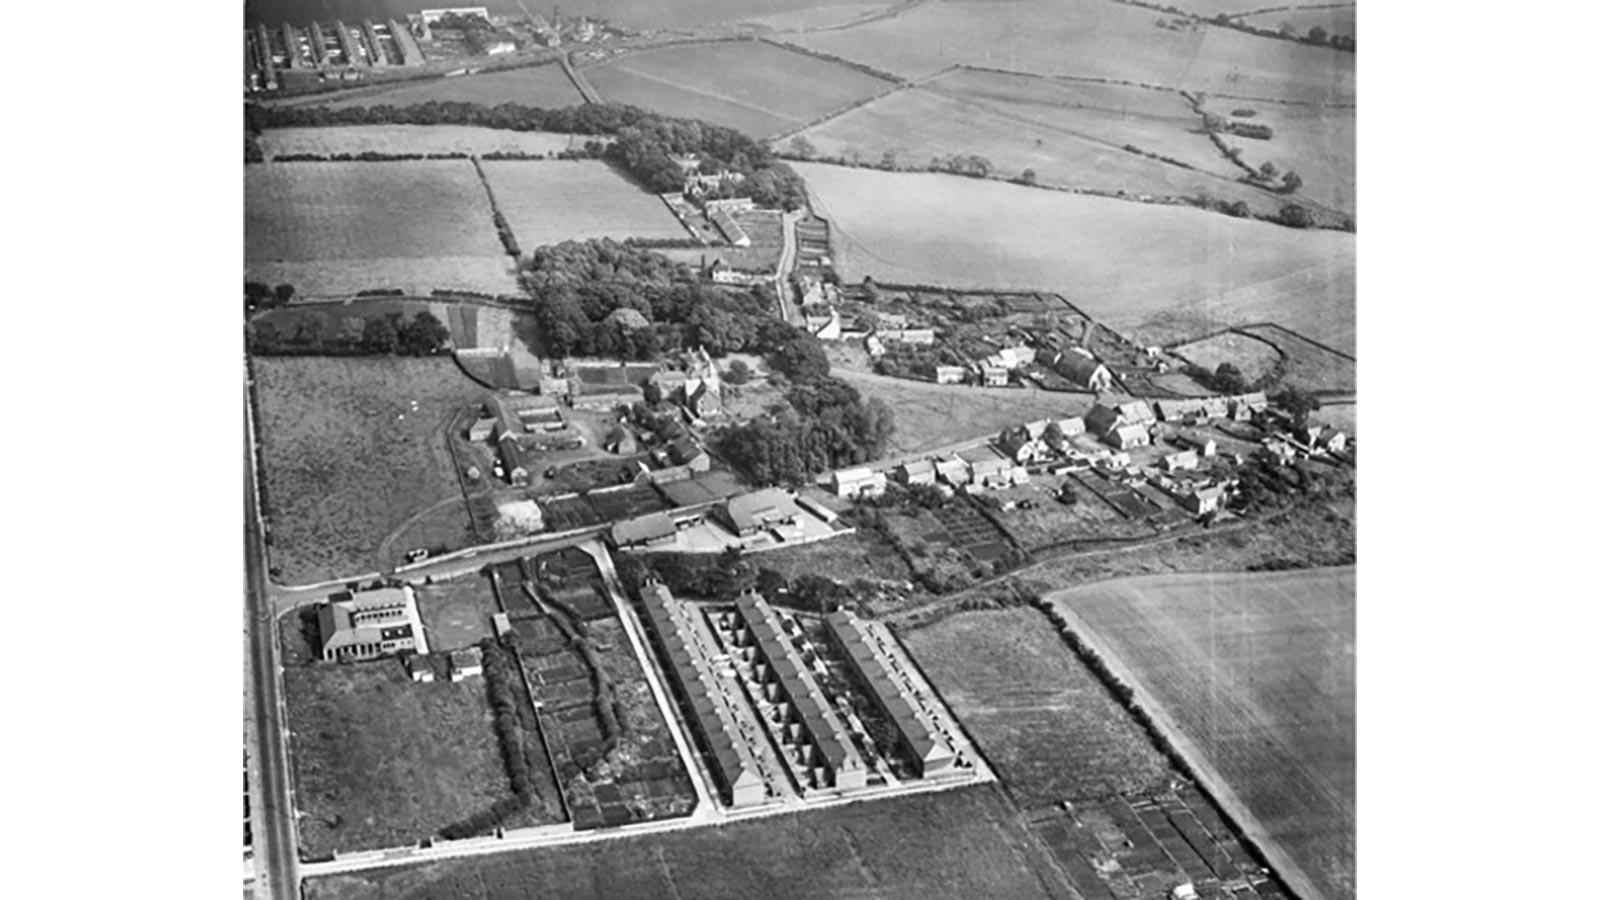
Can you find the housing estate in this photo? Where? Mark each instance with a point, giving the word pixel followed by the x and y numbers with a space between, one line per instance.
pixel 923 744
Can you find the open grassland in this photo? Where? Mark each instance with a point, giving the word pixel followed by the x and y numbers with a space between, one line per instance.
pixel 1096 39
pixel 550 202
pixel 347 458
pixel 333 228
pixel 755 87
pixel 966 843
pixel 1319 145
pixel 1253 356
pixel 396 139
pixel 1156 274
pixel 1052 731
pixel 928 416
pixel 543 86
pixel 382 762
pixel 1257 671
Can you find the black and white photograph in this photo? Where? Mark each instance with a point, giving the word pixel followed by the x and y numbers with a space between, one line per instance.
pixel 790 449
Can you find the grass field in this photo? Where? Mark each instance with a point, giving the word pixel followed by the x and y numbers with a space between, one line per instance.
pixel 1309 367
pixel 1258 671
pixel 1052 731
pixel 413 139
pixel 966 843
pixel 1319 145
pixel 1300 21
pixel 312 225
pixel 755 87
pixel 1254 357
pixel 928 416
pixel 1092 38
pixel 543 86
pixel 382 762
pixel 346 458
pixel 1156 274
pixel 551 202
pixel 456 613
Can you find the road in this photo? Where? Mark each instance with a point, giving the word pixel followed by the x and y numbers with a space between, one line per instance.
pixel 275 846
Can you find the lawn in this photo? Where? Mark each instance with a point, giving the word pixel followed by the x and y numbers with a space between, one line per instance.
pixel 382 762
pixel 1051 730
pixel 967 843
pixel 413 139
pixel 928 416
pixel 1253 356
pixel 1095 39
pixel 555 201
pixel 755 87
pixel 1156 274
pixel 542 86
pixel 1257 671
pixel 332 228
pixel 347 459
pixel 456 613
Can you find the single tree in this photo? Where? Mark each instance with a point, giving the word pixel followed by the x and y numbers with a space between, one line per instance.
pixel 1229 380
pixel 802 147
pixel 1295 216
pixel 1317 35
pixel 379 335
pixel 1291 182
pixel 284 293
pixel 1297 404
pixel 424 335
pixel 738 373
pixel 1029 177
pixel 1269 171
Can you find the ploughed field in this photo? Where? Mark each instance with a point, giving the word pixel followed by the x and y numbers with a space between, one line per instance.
pixel 755 87
pixel 1156 274
pixel 333 228
pixel 967 842
pixel 1257 672
pixel 547 202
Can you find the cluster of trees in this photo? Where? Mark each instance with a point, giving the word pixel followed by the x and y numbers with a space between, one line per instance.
pixel 726 576
pixel 1250 130
pixel 971 165
pixel 1227 379
pixel 644 144
pixel 258 296
pixel 915 361
pixel 827 425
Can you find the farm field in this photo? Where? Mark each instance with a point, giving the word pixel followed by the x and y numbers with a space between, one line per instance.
pixel 1156 274
pixel 1257 671
pixel 919 123
pixel 1319 145
pixel 1254 357
pixel 381 762
pixel 543 86
pixel 554 201
pixel 755 87
pixel 1092 39
pixel 827 15
pixel 632 13
pixel 1300 20
pixel 312 225
pixel 928 416
pixel 960 843
pixel 346 459
pixel 1309 367
pixel 1051 730
pixel 413 139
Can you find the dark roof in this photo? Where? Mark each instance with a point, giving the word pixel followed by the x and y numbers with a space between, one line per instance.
pixel 760 508
pixel 645 528
pixel 1078 367
pixel 826 731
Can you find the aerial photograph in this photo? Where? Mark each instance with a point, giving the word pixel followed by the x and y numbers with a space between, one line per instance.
pixel 788 449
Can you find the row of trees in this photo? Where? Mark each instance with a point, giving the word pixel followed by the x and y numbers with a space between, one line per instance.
pixel 385 335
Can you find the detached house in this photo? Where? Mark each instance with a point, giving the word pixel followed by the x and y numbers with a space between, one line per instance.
pixel 1015 443
pixel 1186 459
pixel 859 482
pixel 1126 436
pixel 1203 500
pixel 919 471
pixel 1083 370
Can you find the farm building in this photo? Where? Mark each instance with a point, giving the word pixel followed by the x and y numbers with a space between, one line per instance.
pixel 1203 500
pixel 1103 419
pixel 1178 410
pixel 954 472
pixel 829 753
pixel 1126 436
pixel 1071 427
pixel 729 228
pixel 861 481
pixel 1213 408
pixel 1136 412
pixel 1184 459
pixel 989 468
pixel 1245 407
pixel 655 531
pixel 502 624
pixel 1202 445
pixel 917 471
pixel 949 374
pixel 685 452
pixel 481 430
pixel 922 743
pixel 1083 370
pixel 368 625
pixel 513 469
pixel 753 513
pixel 995 376
pixel 712 712
pixel 419 666
pixel 1015 443
pixel 465 663
pixel 604 396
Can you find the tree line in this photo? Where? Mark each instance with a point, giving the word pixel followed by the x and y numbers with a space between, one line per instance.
pixel 385 335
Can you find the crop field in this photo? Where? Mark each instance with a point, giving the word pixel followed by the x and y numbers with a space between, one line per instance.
pixel 1309 367
pixel 310 225
pixel 920 123
pixel 929 416
pixel 551 202
pixel 1092 39
pixel 456 613
pixel 1257 672
pixel 1155 274
pixel 1319 145
pixel 1052 731
pixel 381 762
pixel 541 86
pixel 413 139
pixel 755 87
pixel 1254 357
pixel 960 843
pixel 347 459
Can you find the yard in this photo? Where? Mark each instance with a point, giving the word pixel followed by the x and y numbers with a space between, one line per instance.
pixel 966 843
pixel 456 613
pixel 1257 672
pixel 1155 274
pixel 397 139
pixel 553 201
pixel 381 762
pixel 754 87
pixel 1051 730
pixel 309 224
pixel 353 449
